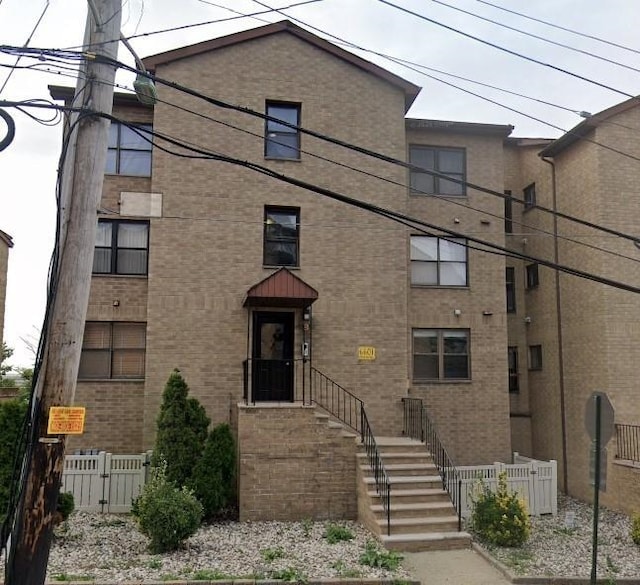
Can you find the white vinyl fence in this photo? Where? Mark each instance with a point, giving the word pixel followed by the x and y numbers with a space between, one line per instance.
pixel 535 481
pixel 104 482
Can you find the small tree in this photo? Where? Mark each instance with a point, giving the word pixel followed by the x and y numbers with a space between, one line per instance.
pixel 214 475
pixel 12 414
pixel 182 431
pixel 5 353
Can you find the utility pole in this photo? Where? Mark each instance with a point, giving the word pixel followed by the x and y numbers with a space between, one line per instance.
pixel 81 191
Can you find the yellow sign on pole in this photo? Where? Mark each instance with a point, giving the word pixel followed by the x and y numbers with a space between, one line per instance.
pixel 66 420
pixel 367 353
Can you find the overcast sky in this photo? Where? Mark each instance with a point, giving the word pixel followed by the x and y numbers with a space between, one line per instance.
pixel 28 166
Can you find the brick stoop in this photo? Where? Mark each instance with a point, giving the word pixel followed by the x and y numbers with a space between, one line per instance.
pixel 422 515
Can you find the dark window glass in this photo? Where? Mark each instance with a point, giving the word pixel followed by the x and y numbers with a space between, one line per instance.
pixel 282 141
pixel 533 278
pixel 281 236
pixel 530 196
pixel 440 354
pixel 508 214
pixel 129 153
pixel 436 261
pixel 511 289
pixel 122 247
pixel 446 161
pixel 513 369
pixel 535 357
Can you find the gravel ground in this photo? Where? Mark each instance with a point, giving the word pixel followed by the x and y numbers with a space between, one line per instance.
pixel 555 550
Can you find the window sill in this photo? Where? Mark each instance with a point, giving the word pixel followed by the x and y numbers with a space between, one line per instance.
pixel 127 176
pixel 103 274
pixel 272 266
pixel 534 369
pixel 418 194
pixel 441 286
pixel 531 288
pixel 90 380
pixel 282 158
pixel 439 382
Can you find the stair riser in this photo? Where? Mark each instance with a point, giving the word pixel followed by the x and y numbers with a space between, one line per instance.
pixel 428 545
pixel 400 460
pixel 398 498
pixel 401 448
pixel 426 470
pixel 422 528
pixel 439 512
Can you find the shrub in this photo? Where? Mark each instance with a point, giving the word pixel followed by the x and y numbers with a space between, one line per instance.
pixel 214 475
pixel 635 528
pixel 182 430
pixel 66 505
pixel 335 533
pixel 12 414
pixel 166 514
pixel 499 517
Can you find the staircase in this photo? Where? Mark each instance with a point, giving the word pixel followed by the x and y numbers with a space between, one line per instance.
pixel 422 516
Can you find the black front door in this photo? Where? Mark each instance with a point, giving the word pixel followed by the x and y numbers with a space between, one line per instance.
pixel 272 360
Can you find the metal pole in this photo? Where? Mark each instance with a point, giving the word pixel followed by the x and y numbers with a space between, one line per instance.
pixel 596 494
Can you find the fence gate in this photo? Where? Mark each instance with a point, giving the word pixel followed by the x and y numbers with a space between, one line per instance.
pixel 104 482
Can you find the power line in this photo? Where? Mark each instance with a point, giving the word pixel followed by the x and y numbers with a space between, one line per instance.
pixel 504 49
pixel 569 30
pixel 538 37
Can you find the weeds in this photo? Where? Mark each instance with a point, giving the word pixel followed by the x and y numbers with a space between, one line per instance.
pixel 271 554
pixel 376 557
pixel 335 533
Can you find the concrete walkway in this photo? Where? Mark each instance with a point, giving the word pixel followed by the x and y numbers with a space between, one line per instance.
pixel 455 567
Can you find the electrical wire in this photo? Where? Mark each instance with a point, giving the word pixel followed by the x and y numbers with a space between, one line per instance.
pixel 505 49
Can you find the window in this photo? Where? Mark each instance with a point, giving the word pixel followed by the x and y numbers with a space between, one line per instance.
pixel 513 369
pixel 530 196
pixel 129 153
pixel 533 280
pixel 447 161
pixel 508 213
pixel 440 354
pixel 436 261
pixel 122 247
pixel 281 236
pixel 112 350
pixel 511 289
pixel 535 357
pixel 282 141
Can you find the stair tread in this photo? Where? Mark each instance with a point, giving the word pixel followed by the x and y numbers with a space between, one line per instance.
pixel 395 441
pixel 417 536
pixel 399 479
pixel 334 425
pixel 417 492
pixel 416 506
pixel 420 521
pixel 399 466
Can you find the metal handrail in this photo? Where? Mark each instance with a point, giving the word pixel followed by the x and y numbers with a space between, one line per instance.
pixel 418 425
pixel 628 442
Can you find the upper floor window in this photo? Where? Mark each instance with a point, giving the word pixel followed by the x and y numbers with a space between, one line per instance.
pixel 533 278
pixel 281 141
pixel 281 236
pixel 436 261
pixel 440 354
pixel 508 213
pixel 511 289
pixel 447 161
pixel 129 153
pixel 122 247
pixel 513 369
pixel 529 196
pixel 112 350
pixel 535 357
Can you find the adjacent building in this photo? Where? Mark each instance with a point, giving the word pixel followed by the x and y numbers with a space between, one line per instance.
pixel 6 242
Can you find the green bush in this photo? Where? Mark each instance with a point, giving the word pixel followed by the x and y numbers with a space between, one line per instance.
pixel 66 505
pixel 213 479
pixel 499 517
pixel 166 514
pixel 335 533
pixel 12 413
pixel 182 431
pixel 635 528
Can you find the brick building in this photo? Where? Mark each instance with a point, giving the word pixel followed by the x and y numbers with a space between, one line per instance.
pixel 6 242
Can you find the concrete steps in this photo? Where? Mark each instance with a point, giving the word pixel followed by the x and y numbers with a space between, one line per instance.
pixel 422 516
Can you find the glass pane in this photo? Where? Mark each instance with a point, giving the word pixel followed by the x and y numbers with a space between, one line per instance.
pixel 422 157
pixel 132 235
pixel 103 235
pixel 128 363
pixel 272 336
pixel 424 248
pixel 102 261
pixel 425 367
pixel 110 166
pixel 94 364
pixel 282 146
pixel 449 188
pixel 132 140
pixel 456 366
pixel 451 161
pixel 453 274
pixel 97 335
pixel 131 262
pixel 129 336
pixel 422 182
pixel 455 342
pixel 282 112
pixel 113 135
pixel 424 273
pixel 425 341
pixel 135 162
pixel 281 254
pixel 453 250
pixel 281 225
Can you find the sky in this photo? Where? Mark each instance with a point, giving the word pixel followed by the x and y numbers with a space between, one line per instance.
pixel 28 165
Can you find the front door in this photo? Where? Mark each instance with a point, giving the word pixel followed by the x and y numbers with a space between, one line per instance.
pixel 272 360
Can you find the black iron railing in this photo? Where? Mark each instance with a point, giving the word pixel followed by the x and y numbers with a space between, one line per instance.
pixel 628 442
pixel 336 400
pixel 275 381
pixel 418 425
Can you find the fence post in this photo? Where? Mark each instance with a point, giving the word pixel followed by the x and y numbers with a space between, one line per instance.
pixel 554 484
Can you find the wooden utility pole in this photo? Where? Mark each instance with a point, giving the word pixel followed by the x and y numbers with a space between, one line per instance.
pixel 80 196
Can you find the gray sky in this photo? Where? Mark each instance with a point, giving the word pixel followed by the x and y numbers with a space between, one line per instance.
pixel 27 167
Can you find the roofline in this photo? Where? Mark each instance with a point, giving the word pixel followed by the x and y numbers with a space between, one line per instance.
pixel 463 127
pixel 66 93
pixel 523 141
pixel 153 61
pixel 588 125
pixel 6 238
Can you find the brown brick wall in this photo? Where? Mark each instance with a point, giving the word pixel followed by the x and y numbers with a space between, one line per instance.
pixel 291 466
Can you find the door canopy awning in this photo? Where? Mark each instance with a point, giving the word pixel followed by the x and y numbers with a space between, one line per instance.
pixel 281 289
